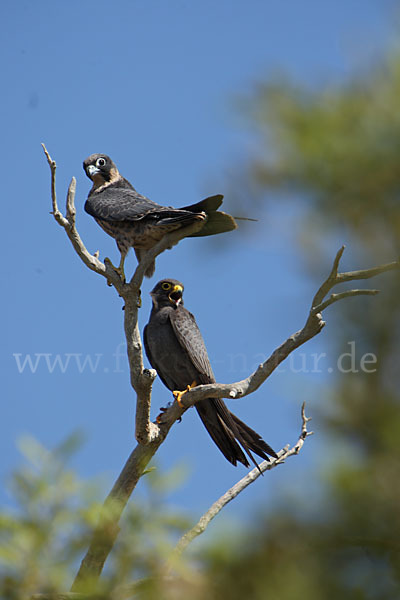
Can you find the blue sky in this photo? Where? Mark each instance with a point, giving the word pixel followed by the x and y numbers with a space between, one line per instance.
pixel 154 84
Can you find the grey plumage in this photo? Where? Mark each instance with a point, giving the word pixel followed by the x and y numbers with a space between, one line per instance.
pixel 134 220
pixel 175 348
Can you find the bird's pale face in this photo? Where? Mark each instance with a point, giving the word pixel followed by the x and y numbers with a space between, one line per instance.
pixel 167 292
pixel 100 169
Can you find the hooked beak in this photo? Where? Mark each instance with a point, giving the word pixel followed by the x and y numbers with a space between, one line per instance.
pixel 176 295
pixel 92 170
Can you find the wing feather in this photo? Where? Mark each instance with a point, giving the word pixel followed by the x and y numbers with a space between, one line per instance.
pixel 164 376
pixel 118 204
pixel 189 337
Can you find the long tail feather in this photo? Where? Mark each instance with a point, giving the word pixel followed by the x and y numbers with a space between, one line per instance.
pixel 230 434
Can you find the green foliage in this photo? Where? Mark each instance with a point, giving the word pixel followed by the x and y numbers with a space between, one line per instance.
pixel 336 152
pixel 340 146
pixel 338 149
pixel 44 537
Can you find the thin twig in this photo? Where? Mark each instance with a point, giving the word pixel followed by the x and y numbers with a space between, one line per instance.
pixel 141 379
pixel 336 297
pixel 312 327
pixel 367 273
pixel 68 224
pixel 151 435
pixel 241 485
pixel 328 283
pixel 148 434
pixel 71 210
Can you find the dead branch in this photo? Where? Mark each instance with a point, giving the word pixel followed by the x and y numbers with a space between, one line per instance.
pixel 141 379
pixel 241 485
pixel 151 435
pixel 312 327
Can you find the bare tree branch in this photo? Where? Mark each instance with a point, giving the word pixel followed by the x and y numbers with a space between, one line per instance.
pixel 367 273
pixel 312 327
pixel 241 485
pixel 328 283
pixel 107 529
pixel 141 379
pixel 68 224
pixel 334 278
pixel 148 434
pixel 335 297
pixel 151 435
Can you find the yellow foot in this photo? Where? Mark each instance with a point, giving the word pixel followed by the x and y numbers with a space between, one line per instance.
pixel 119 270
pixel 139 300
pixel 159 418
pixel 178 395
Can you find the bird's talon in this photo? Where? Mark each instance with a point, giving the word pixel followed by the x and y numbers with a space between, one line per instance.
pixel 175 348
pixel 162 409
pixel 178 395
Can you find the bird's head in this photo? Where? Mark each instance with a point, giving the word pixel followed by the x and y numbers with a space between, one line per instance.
pixel 167 292
pixel 100 169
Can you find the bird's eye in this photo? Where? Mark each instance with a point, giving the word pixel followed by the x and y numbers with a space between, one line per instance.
pixel 165 285
pixel 100 162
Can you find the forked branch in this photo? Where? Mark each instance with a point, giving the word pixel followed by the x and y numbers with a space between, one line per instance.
pixel 241 485
pixel 141 379
pixel 151 435
pixel 312 327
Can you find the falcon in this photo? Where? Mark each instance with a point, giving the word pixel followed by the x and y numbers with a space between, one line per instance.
pixel 135 221
pixel 176 350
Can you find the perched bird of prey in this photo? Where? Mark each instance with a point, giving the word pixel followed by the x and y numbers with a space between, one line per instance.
pixel 175 348
pixel 135 221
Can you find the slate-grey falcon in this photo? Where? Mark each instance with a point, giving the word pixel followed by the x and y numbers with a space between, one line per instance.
pixel 134 220
pixel 176 350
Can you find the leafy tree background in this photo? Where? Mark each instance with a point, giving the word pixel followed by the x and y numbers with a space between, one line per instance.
pixel 339 148
pixel 327 156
